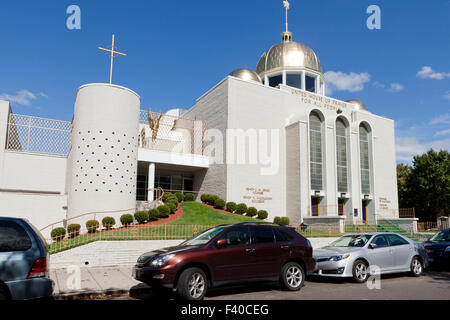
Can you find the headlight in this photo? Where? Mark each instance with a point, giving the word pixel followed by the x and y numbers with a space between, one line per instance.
pixel 447 249
pixel 162 260
pixel 339 258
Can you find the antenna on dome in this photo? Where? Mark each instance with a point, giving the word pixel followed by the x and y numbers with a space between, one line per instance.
pixel 286 36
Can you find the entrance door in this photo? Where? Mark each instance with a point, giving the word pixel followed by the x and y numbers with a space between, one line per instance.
pixel 341 207
pixel 315 207
pixel 364 212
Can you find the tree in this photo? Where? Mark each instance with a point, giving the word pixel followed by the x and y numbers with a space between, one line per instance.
pixel 426 185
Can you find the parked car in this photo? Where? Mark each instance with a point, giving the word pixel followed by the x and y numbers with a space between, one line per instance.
pixel 24 257
pixel 438 249
pixel 358 255
pixel 229 254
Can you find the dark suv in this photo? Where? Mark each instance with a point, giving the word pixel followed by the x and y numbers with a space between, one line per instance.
pixel 229 254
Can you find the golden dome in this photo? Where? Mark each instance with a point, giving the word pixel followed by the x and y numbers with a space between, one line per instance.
pixel 246 74
pixel 359 105
pixel 288 54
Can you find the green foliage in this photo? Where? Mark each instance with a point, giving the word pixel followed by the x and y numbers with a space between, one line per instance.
pixel 425 185
pixel 126 220
pixel 108 222
pixel 141 216
pixel 166 195
pixel 219 204
pixel 262 214
pixel 204 197
pixel 285 221
pixel 73 230
pixel 241 208
pixel 179 196
pixel 252 211
pixel 58 234
pixel 172 205
pixel 163 211
pixel 231 206
pixel 153 215
pixel 211 199
pixel 189 197
pixel 92 226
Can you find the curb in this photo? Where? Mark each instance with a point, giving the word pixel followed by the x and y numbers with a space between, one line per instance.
pixel 91 295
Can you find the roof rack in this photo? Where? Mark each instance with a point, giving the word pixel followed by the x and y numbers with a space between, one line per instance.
pixel 259 222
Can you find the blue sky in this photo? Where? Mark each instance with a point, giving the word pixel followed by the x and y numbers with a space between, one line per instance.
pixel 177 50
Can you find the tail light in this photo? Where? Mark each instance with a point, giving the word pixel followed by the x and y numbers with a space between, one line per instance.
pixel 39 269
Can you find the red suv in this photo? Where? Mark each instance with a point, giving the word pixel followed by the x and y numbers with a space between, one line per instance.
pixel 229 254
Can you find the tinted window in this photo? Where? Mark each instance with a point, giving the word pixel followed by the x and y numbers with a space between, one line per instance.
pixel 263 235
pixel 351 241
pixel 294 80
pixel 281 236
pixel 275 81
pixel 441 236
pixel 380 241
pixel 13 237
pixel 396 240
pixel 237 237
pixel 310 84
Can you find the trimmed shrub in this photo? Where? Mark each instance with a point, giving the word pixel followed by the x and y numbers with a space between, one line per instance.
pixel 163 211
pixel 92 226
pixel 212 199
pixel 108 222
pixel 179 196
pixel 166 195
pixel 172 206
pixel 277 220
pixel 252 211
pixel 285 221
pixel 73 230
pixel 231 206
pixel 241 208
pixel 219 204
pixel 58 234
pixel 262 214
pixel 189 197
pixel 141 216
pixel 204 197
pixel 126 220
pixel 153 215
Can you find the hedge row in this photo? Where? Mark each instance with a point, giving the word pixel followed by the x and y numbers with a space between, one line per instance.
pixel 241 208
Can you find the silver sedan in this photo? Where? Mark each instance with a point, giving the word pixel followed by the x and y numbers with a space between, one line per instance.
pixel 360 255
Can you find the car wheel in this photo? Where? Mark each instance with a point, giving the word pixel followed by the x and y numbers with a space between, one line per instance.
pixel 360 271
pixel 416 267
pixel 292 276
pixel 192 284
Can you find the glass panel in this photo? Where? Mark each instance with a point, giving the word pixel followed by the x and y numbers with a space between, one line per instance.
pixel 263 235
pixel 177 182
pixel 364 159
pixel 294 80
pixel 275 80
pixel 341 156
pixel 237 237
pixel 310 83
pixel 13 237
pixel 315 133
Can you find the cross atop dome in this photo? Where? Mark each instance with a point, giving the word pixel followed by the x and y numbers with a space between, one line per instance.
pixel 286 36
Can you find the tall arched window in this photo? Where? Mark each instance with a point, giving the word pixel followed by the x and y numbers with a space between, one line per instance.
pixel 364 148
pixel 316 161
pixel 341 155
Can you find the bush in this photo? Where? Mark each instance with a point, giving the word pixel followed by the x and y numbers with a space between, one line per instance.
pixel 277 220
pixel 153 215
pixel 179 196
pixel 262 214
pixel 252 211
pixel 126 219
pixel 241 208
pixel 58 234
pixel 73 230
pixel 166 195
pixel 231 206
pixel 172 206
pixel 108 222
pixel 204 197
pixel 172 198
pixel 189 197
pixel 285 221
pixel 219 204
pixel 163 211
pixel 141 216
pixel 212 199
pixel 92 226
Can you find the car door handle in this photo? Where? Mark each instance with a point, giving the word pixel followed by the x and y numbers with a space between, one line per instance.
pixel 284 247
pixel 249 250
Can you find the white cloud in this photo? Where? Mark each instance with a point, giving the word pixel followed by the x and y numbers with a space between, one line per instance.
pixel 447 95
pixel 396 87
pixel 408 147
pixel 428 73
pixel 441 119
pixel 22 97
pixel 442 133
pixel 340 81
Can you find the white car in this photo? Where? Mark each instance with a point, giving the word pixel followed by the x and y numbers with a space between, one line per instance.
pixel 359 255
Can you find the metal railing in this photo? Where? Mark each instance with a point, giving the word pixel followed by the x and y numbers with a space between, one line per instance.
pixel 427 226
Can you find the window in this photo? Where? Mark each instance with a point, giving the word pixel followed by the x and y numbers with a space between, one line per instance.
pixel 351 241
pixel 275 80
pixel 263 235
pixel 13 237
pixel 281 236
pixel 203 238
pixel 294 80
pixel 310 83
pixel 341 155
pixel 364 158
pixel 237 237
pixel 396 240
pixel 380 241
pixel 315 136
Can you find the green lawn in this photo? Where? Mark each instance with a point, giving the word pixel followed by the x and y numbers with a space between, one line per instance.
pixel 197 214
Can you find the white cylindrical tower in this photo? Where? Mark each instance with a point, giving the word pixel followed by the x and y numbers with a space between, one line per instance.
pixel 102 164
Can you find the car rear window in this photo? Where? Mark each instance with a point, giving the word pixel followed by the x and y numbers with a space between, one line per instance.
pixel 13 237
pixel 396 240
pixel 263 235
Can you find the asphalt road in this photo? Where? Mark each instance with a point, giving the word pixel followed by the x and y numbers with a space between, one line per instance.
pixel 432 285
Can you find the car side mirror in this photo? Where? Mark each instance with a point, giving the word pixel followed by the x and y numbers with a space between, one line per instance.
pixel 221 243
pixel 372 246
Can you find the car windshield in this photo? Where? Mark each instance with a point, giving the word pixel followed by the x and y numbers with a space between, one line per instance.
pixel 441 236
pixel 351 241
pixel 202 238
